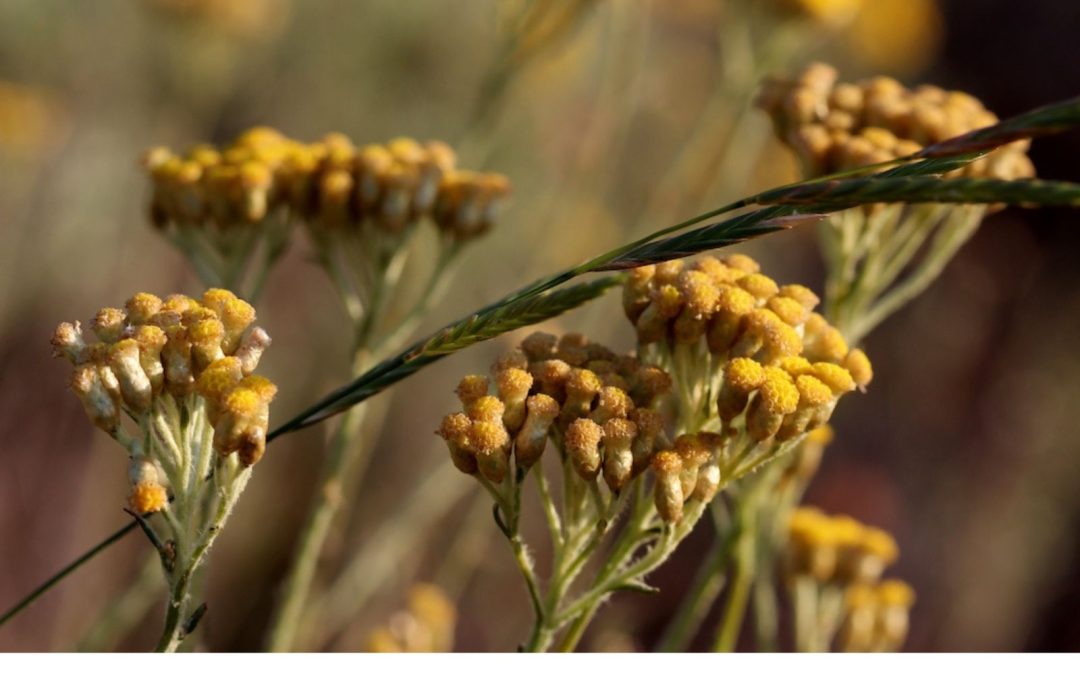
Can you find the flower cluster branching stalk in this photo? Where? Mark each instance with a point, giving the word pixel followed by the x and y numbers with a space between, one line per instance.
pixel 362 208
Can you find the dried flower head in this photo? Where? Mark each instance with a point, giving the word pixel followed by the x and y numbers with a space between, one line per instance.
pixel 172 381
pixel 744 348
pixel 832 126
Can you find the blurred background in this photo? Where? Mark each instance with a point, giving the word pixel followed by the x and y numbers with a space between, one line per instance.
pixel 612 118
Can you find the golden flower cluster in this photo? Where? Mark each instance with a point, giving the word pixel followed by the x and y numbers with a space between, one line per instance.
pixel 741 346
pixel 838 564
pixel 331 183
pixel 182 369
pixel 834 126
pixel 593 403
pixel 427 624
pixel 877 617
pixel 837 550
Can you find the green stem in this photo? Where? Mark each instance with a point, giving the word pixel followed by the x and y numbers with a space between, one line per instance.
pixel 313 534
pixel 706 587
pixel 743 563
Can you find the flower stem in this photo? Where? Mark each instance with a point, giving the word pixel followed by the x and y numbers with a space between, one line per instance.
pixel 314 532
pixel 728 634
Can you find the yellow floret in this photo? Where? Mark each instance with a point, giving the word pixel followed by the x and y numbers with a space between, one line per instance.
pixel 243 402
pixel 744 374
pixel 178 303
pixel 794 365
pixel 488 437
pixel 263 387
pixel 218 378
pixel 790 310
pixel 700 293
pixel 666 463
pixel 846 531
pixel 778 395
pixel 837 377
pixel 742 262
pixel 759 285
pixel 471 388
pixel 801 294
pixel 812 391
pixel 879 543
pixel 206 331
pixel 895 593
pixel 147 498
pixel 668 300
pixel 513 382
pixel 486 409
pixel 858 364
pixel 734 300
pixel 142 306
pixel 255 174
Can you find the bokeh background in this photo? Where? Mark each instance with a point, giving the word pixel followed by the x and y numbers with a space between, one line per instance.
pixel 610 123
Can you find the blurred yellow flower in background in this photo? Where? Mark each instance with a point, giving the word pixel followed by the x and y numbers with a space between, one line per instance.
pixel 901 36
pixel 31 120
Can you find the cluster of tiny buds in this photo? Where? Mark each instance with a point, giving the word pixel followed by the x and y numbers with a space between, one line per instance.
pixel 331 183
pixel 688 470
pixel 833 126
pixel 877 617
pixel 837 550
pixel 156 355
pixel 596 404
pixel 783 364
pixel 427 624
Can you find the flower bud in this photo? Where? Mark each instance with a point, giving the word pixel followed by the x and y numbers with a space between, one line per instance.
pixel 619 434
pixel 532 438
pixel 455 431
pixel 513 385
pixel 582 440
pixel 668 489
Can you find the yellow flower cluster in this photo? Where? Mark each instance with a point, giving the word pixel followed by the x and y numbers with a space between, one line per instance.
pixel 877 617
pixel 833 126
pixel 754 348
pixel 331 183
pixel 426 625
pixel 837 550
pixel 594 403
pixel 173 366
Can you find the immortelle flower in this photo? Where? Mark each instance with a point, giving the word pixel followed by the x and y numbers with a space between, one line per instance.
pixel 732 373
pixel 225 208
pixel 833 566
pixel 881 256
pixel 173 382
pixel 749 357
pixel 362 205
